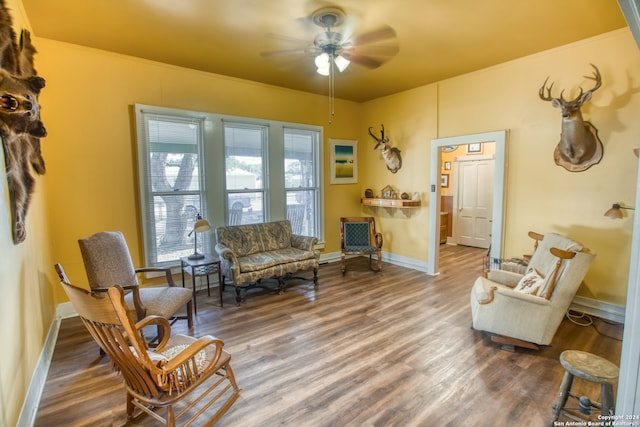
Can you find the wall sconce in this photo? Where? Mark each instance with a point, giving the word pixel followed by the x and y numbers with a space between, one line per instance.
pixel 615 212
pixel 200 226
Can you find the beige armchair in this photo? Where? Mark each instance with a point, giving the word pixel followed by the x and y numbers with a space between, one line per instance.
pixel 107 262
pixel 525 310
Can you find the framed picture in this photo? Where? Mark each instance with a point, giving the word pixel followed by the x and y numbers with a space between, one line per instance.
pixel 447 166
pixel 444 180
pixel 474 148
pixel 343 155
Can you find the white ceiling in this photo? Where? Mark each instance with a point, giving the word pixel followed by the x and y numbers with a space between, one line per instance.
pixel 437 39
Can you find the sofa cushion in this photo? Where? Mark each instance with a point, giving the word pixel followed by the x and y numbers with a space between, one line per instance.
pixel 249 239
pixel 263 260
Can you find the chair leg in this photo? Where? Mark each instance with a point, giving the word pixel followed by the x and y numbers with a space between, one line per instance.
pixel 563 395
pixel 171 417
pixel 190 315
pixel 315 277
pixel 343 264
pixel 378 265
pixel 130 407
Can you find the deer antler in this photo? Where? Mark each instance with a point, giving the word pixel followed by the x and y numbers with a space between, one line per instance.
pixel 378 140
pixel 596 77
pixel 545 92
pixel 542 90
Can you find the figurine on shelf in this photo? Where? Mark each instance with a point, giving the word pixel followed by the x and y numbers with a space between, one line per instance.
pixel 368 193
pixel 389 192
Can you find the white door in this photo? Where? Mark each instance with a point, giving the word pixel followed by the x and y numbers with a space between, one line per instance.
pixel 474 201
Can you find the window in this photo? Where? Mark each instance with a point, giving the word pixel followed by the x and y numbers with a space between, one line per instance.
pixel 301 179
pixel 171 189
pixel 245 160
pixel 232 170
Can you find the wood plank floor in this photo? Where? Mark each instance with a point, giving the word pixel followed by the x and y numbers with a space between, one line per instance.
pixel 394 348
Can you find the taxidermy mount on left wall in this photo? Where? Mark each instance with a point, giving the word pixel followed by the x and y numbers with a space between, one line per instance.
pixel 20 125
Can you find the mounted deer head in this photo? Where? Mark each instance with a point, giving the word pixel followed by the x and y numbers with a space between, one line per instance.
pixel 579 147
pixel 391 155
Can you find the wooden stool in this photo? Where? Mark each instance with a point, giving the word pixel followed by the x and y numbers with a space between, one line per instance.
pixel 590 368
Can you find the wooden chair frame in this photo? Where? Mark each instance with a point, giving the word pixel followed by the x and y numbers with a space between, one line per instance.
pixel 374 246
pixel 152 379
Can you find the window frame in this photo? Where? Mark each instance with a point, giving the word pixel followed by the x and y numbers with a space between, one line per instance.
pixel 212 172
pixel 147 194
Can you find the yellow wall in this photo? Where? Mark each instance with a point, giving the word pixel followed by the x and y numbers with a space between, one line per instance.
pixel 90 149
pixel 26 300
pixel 90 183
pixel 540 196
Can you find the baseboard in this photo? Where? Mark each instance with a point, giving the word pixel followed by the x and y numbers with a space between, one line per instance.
pixel 36 386
pixel 601 309
pixel 399 260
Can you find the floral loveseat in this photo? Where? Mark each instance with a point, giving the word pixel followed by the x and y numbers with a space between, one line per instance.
pixel 253 252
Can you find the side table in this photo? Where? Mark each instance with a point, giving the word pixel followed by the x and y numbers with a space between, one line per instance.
pixel 201 267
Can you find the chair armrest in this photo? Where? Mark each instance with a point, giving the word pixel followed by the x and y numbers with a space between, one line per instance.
pixel 501 292
pixel 193 349
pixel 161 322
pixel 166 271
pixel 521 296
pixel 504 277
pixel 303 242
pixel 141 310
pixel 225 252
pixel 378 239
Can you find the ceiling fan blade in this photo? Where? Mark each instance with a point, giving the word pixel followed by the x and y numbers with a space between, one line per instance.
pixel 283 52
pixel 365 61
pixel 375 50
pixel 287 39
pixel 382 33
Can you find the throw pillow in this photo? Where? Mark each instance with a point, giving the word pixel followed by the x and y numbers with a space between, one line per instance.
pixel 530 282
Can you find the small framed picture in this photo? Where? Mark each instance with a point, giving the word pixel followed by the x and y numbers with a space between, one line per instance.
pixel 444 180
pixel 474 148
pixel 447 166
pixel 343 156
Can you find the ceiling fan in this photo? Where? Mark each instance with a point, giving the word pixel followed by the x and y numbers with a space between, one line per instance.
pixel 333 47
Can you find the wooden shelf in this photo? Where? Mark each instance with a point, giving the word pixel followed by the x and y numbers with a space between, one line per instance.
pixel 391 203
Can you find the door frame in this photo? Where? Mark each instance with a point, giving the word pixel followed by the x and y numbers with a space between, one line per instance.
pixel 497 224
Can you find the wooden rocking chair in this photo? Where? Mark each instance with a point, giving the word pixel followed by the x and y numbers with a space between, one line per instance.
pixel 165 376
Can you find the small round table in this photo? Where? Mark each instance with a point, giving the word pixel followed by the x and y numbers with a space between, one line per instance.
pixel 202 267
pixel 589 367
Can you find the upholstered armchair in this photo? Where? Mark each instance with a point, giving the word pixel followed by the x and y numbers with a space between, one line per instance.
pixel 358 236
pixel 525 310
pixel 108 262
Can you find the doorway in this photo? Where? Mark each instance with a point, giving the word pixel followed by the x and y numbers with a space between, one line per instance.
pixel 497 207
pixel 473 200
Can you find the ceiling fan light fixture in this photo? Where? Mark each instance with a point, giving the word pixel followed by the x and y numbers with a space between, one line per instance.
pixel 342 63
pixel 323 63
pixel 323 71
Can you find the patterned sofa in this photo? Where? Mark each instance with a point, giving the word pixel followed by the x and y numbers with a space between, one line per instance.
pixel 253 252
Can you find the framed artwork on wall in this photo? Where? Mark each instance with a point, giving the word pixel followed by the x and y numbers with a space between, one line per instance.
pixel 343 158
pixel 444 180
pixel 447 166
pixel 474 148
